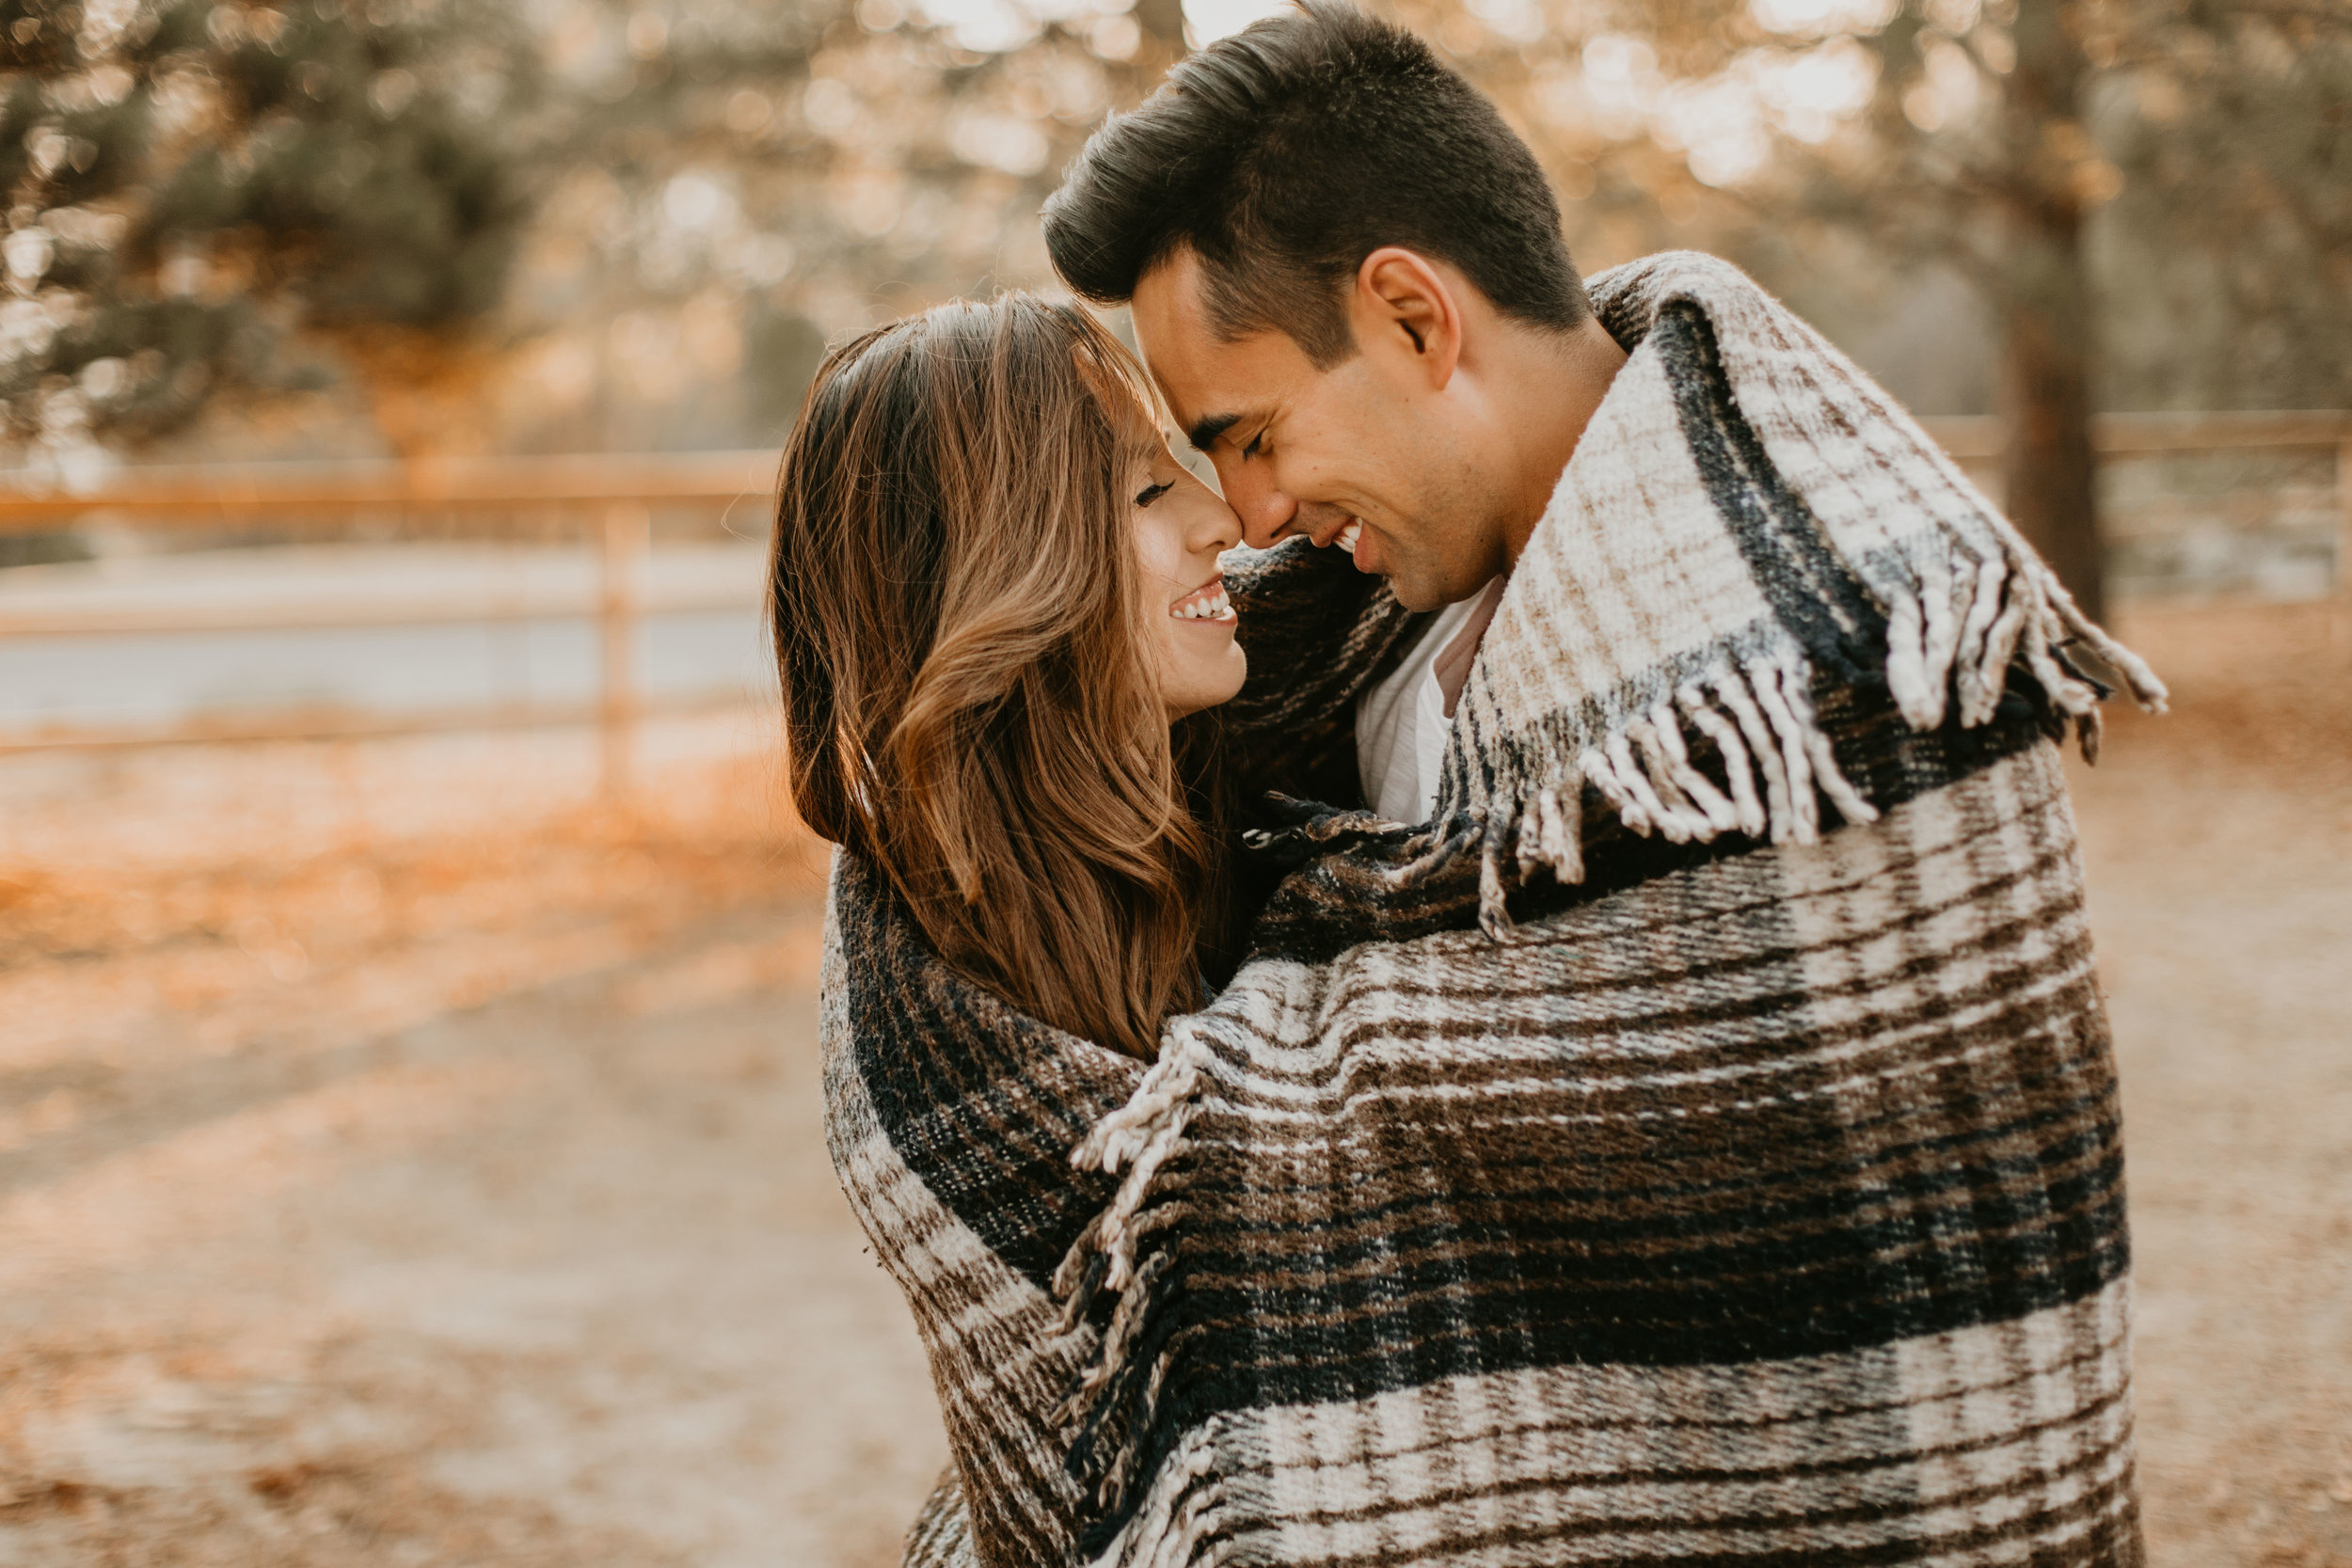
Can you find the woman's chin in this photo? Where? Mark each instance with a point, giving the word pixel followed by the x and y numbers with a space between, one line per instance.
pixel 1207 684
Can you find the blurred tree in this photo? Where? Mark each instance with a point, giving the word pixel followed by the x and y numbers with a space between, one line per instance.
pixel 593 222
pixel 634 221
pixel 187 180
pixel 1991 137
pixel 1997 133
pixel 741 181
pixel 2225 260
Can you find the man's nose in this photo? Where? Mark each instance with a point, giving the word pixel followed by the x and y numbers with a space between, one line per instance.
pixel 1267 513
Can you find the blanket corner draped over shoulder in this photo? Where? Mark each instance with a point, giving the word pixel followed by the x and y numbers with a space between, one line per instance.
pixel 1698 1143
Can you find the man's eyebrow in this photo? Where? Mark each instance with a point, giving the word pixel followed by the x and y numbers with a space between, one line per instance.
pixel 1204 433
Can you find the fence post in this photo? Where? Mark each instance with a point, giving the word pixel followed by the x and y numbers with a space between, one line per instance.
pixel 627 539
pixel 2342 628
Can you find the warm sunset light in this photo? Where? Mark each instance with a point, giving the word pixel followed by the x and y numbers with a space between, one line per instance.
pixel 800 784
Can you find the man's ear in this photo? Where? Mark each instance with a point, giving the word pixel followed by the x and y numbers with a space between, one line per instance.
pixel 1402 306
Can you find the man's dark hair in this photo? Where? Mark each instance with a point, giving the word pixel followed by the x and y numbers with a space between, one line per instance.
pixel 1284 155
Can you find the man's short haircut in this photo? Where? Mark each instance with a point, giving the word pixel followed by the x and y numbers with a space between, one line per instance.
pixel 1284 155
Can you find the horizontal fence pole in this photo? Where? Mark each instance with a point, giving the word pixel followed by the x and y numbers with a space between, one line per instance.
pixel 1982 436
pixel 199 494
pixel 1964 436
pixel 2138 435
pixel 315 616
pixel 580 486
pixel 345 725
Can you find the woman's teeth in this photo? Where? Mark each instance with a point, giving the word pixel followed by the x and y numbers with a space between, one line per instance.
pixel 1348 536
pixel 1212 606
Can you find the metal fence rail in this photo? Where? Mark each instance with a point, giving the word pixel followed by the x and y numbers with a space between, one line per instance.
pixel 608 499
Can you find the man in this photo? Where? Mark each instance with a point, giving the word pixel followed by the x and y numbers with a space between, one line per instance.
pixel 1666 1113
pixel 1348 278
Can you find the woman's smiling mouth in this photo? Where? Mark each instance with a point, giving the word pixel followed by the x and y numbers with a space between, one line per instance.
pixel 1205 603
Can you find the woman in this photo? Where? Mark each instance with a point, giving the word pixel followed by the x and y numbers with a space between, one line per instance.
pixel 1000 621
pixel 994 591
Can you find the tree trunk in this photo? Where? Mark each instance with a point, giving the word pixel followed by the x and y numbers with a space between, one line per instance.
pixel 2052 472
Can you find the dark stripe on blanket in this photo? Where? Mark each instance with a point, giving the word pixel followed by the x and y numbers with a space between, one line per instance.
pixel 1809 586
pixel 954 1075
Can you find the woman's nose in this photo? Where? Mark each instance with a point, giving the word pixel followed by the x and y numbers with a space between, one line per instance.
pixel 1217 530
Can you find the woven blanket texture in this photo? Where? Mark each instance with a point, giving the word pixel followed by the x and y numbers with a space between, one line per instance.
pixel 1698 1143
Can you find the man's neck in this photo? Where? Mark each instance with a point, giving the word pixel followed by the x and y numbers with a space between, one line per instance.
pixel 1561 378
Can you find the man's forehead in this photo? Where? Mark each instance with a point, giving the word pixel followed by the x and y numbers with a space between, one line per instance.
pixel 1171 326
pixel 1210 382
pixel 1168 293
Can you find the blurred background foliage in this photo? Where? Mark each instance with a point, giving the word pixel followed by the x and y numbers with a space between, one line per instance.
pixel 413 226
pixel 192 188
pixel 2035 207
pixel 366 226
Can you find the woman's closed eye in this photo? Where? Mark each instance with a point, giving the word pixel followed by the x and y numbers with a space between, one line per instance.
pixel 1150 493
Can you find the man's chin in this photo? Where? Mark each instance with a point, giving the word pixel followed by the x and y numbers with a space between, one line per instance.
pixel 1417 594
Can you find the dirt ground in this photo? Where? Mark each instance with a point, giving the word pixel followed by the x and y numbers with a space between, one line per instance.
pixel 2219 843
pixel 406 1161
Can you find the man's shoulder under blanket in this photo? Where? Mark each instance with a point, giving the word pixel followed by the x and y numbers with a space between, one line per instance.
pixel 1331 883
pixel 1778 436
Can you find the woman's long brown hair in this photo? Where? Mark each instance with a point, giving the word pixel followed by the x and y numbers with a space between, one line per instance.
pixel 968 695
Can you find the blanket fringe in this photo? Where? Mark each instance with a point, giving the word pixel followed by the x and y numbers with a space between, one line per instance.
pixel 1776 763
pixel 1110 1404
pixel 1950 648
pixel 1957 637
pixel 1191 1496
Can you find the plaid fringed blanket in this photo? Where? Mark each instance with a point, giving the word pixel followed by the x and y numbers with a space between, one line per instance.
pixel 1697 1144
